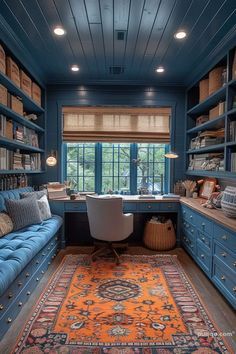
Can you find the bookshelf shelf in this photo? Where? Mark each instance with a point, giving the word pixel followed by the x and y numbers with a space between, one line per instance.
pixel 20 119
pixel 29 104
pixel 214 123
pixel 219 147
pixel 18 145
pixel 13 172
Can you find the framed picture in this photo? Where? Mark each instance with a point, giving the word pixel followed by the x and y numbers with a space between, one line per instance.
pixel 208 187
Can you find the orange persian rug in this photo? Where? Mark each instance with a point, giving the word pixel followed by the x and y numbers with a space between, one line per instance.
pixel 144 305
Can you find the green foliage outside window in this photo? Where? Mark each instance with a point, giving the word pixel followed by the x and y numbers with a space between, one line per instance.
pixel 111 167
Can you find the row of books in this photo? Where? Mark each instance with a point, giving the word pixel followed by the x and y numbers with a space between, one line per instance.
pixel 11 160
pixel 232 130
pixel 18 132
pixel 233 162
pixel 207 162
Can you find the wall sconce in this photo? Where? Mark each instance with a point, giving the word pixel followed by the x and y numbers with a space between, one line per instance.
pixel 171 155
pixel 52 159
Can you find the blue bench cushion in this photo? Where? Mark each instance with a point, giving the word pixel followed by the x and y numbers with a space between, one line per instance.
pixel 19 247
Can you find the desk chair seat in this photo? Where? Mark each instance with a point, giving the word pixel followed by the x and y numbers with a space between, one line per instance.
pixel 107 222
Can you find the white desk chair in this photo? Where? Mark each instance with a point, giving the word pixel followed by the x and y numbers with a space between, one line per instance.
pixel 107 222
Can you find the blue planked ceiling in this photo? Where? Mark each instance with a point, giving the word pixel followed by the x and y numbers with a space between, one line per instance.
pixel 91 37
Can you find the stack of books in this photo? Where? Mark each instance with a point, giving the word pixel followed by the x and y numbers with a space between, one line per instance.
pixel 17 161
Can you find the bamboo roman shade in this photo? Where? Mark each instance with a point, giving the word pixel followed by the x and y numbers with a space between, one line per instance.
pixel 116 124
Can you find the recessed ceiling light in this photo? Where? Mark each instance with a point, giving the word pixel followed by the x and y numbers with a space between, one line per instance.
pixel 59 31
pixel 75 68
pixel 160 69
pixel 180 35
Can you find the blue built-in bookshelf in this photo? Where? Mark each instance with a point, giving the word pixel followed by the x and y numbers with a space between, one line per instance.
pixel 22 140
pixel 211 122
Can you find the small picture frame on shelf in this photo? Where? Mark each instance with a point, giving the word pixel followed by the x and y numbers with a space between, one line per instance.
pixel 207 188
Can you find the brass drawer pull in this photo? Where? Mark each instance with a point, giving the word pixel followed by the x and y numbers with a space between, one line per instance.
pixel 37 262
pixel 192 231
pixel 223 277
pixel 1 307
pixel 10 295
pixel 37 279
pixel 203 239
pixel 20 283
pixel 234 264
pixel 149 207
pixel 203 224
pixel 191 216
pixel 224 237
pixel 27 275
pixel 234 289
pixel 223 254
pixel 20 304
pixel 9 320
pixel 202 256
pixel 28 293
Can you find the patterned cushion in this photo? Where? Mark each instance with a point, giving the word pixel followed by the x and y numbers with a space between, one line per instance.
pixel 23 212
pixel 6 224
pixel 44 208
pixel 38 194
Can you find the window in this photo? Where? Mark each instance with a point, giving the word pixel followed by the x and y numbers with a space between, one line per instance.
pixel 80 166
pixel 151 167
pixel 123 168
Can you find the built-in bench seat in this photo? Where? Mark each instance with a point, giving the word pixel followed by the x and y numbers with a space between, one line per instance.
pixel 25 255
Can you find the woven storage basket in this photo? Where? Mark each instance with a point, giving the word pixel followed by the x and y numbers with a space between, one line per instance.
pixel 215 79
pixel 158 236
pixel 228 202
pixel 203 89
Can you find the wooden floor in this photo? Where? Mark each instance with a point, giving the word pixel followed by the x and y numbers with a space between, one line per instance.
pixel 220 311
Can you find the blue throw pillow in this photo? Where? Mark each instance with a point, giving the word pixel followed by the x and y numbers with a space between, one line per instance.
pixel 23 212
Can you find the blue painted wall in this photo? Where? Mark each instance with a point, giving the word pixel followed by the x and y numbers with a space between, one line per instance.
pixel 62 95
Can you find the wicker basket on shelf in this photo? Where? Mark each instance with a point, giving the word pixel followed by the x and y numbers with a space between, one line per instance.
pixel 215 79
pixel 203 89
pixel 159 236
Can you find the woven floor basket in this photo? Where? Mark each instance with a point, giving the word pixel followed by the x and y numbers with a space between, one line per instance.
pixel 159 237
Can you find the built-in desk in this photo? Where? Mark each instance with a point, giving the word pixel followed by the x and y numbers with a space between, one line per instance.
pixel 76 230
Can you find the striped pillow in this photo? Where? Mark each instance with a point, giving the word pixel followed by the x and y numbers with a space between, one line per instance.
pixel 23 212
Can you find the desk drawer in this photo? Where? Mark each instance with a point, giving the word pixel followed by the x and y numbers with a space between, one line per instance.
pixel 225 279
pixel 225 237
pixel 129 207
pixel 187 227
pixel 223 254
pixel 168 206
pixel 204 257
pixel 75 206
pixel 189 215
pixel 204 238
pixel 204 224
pixel 148 207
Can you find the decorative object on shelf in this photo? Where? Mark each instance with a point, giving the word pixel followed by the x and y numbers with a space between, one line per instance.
pixel 179 188
pixel 207 188
pixel 228 202
pixel 51 160
pixel 215 79
pixel 202 119
pixel 203 89
pixel 2 60
pixel 214 201
pixel 234 66
pixel 189 187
